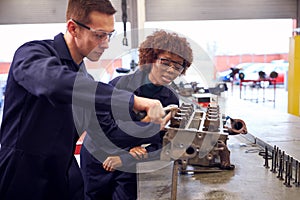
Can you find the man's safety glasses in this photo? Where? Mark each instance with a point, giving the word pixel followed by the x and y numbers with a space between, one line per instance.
pixel 101 35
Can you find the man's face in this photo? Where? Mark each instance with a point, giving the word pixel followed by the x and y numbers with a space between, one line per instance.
pixel 94 37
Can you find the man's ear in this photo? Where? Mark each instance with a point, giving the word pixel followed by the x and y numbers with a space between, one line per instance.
pixel 72 28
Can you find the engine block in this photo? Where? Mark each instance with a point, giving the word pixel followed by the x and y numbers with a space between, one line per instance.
pixel 196 137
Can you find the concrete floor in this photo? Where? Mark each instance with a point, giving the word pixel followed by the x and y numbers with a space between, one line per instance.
pixel 268 125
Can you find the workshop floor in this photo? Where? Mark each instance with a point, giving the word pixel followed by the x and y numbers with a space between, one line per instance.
pixel 268 125
pixel 260 97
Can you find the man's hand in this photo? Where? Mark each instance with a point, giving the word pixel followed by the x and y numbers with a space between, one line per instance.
pixel 165 120
pixel 153 108
pixel 112 162
pixel 139 153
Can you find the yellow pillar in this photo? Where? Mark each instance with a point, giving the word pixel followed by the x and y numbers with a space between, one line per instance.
pixel 294 76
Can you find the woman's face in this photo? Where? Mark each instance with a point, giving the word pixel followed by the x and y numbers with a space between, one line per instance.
pixel 165 69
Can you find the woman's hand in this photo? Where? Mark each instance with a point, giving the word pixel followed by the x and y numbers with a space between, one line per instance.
pixel 112 162
pixel 139 152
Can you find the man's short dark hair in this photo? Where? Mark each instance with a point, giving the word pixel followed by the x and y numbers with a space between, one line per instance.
pixel 81 9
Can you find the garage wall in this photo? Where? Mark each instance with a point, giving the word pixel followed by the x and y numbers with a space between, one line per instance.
pixel 166 10
pixel 38 11
pixel 32 11
pixel 52 11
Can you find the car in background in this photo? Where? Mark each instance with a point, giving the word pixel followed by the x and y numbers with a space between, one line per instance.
pixel 250 71
pixel 281 67
pixel 230 74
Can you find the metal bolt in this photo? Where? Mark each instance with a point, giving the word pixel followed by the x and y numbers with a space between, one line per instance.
pixel 281 166
pixel 296 172
pixel 286 171
pixel 266 158
pixel 298 182
pixel 291 171
pixel 275 159
pixel 289 175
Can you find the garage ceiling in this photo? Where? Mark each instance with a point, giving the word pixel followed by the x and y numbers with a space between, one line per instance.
pixel 53 11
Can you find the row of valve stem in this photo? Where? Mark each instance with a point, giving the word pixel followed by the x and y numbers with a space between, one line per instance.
pixel 212 119
pixel 181 115
pixel 286 167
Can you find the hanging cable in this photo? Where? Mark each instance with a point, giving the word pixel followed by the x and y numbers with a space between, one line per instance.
pixel 124 18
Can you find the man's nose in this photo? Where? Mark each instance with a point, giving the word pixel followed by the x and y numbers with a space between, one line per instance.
pixel 104 43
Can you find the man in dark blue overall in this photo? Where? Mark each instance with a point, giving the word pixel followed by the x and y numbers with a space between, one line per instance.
pixel 49 101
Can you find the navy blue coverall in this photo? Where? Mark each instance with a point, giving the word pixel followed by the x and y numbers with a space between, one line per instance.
pixel 38 132
pixel 104 185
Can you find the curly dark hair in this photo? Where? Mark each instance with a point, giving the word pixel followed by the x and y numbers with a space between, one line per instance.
pixel 160 42
pixel 81 9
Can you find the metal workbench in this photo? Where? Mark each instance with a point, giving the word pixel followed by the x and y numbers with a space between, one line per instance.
pixel 250 179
